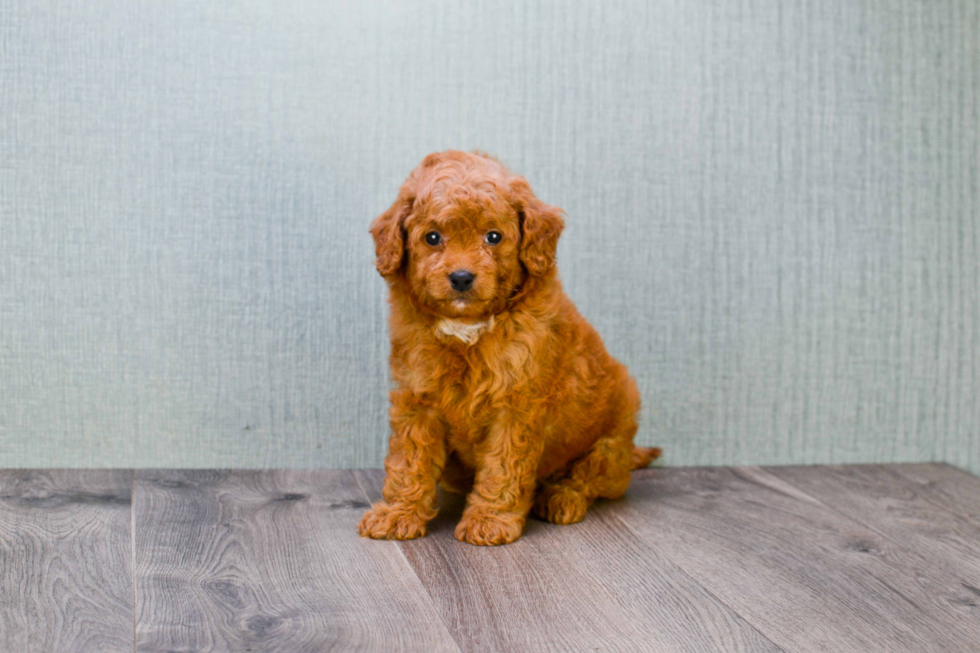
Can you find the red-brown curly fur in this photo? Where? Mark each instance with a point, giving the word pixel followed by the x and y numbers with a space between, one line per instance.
pixel 503 391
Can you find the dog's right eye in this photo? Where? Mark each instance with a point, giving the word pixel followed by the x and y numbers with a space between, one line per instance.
pixel 433 238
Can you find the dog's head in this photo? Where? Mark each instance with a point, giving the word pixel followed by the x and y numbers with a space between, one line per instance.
pixel 465 234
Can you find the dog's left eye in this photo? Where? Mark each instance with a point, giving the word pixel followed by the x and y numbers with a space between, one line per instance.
pixel 494 237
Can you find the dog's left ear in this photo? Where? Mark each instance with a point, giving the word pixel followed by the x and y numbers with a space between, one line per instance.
pixel 389 234
pixel 541 225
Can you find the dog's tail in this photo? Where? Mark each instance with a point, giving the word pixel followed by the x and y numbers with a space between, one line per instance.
pixel 643 456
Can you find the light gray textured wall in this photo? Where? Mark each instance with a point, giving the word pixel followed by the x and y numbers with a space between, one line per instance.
pixel 773 213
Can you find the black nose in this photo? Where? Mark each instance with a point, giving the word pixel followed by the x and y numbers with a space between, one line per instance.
pixel 462 280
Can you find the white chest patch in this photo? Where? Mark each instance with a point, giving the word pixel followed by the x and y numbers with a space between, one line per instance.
pixel 468 332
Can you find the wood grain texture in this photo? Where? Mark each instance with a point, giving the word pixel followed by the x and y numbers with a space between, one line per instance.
pixel 954 489
pixel 805 575
pixel 917 516
pixel 65 561
pixel 589 586
pixel 841 559
pixel 270 561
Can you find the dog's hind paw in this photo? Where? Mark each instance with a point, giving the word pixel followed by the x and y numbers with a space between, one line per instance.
pixel 560 505
pixel 385 522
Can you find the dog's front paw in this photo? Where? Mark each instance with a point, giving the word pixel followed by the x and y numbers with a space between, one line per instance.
pixel 385 522
pixel 560 505
pixel 487 528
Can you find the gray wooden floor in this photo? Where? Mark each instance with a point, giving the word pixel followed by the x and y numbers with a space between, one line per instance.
pixel 854 558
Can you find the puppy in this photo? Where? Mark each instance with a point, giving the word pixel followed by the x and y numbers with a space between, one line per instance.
pixel 503 392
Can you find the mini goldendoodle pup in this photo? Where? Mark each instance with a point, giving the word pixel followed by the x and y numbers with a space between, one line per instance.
pixel 503 391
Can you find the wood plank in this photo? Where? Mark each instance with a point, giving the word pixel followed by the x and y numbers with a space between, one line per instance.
pixel 65 561
pixel 806 576
pixel 915 515
pixel 584 587
pixel 270 561
pixel 954 489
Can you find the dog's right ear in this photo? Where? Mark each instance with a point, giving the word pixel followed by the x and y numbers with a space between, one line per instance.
pixel 388 230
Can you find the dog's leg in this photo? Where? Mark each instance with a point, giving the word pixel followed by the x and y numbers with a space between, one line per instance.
pixel 416 456
pixel 602 472
pixel 503 490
